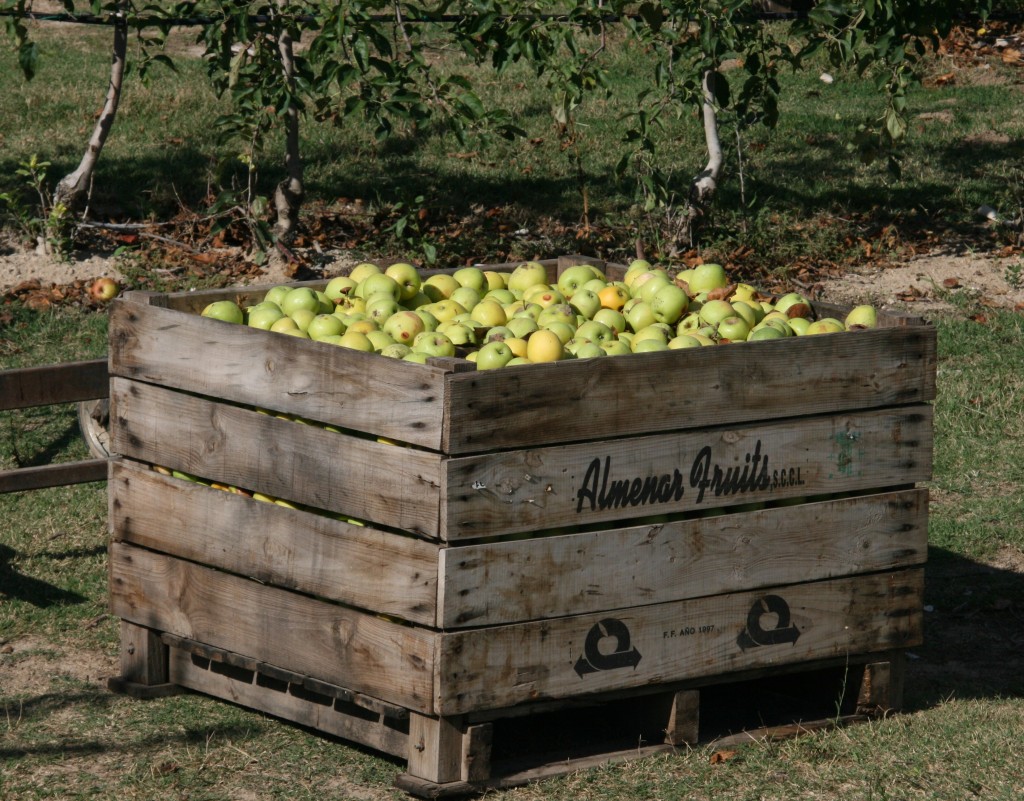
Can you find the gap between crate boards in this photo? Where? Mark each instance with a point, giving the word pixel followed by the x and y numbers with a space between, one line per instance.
pixel 473 752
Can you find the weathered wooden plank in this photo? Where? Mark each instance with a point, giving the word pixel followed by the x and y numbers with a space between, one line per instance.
pixel 684 718
pixel 435 749
pixel 692 388
pixel 358 477
pixel 359 391
pixel 631 477
pixel 53 475
pixel 54 383
pixel 505 665
pixel 322 717
pixel 318 555
pixel 545 577
pixel 336 644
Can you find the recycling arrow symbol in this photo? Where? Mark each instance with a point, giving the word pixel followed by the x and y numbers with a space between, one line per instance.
pixel 594 660
pixel 783 631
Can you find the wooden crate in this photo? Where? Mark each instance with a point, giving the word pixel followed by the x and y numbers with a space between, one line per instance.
pixel 556 535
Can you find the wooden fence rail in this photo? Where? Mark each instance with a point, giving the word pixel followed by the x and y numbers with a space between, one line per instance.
pixel 44 386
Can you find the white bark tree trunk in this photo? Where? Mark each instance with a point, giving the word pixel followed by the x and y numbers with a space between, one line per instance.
pixel 72 188
pixel 705 185
pixel 289 193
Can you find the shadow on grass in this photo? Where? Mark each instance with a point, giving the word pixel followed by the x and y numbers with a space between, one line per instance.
pixel 973 635
pixel 31 590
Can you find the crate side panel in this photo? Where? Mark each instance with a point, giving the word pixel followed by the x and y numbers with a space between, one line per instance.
pixel 694 388
pixel 548 577
pixel 359 391
pixel 333 643
pixel 290 548
pixel 632 477
pixel 361 478
pixel 492 668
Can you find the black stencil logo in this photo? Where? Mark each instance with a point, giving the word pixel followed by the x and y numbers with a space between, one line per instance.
pixel 782 632
pixel 593 659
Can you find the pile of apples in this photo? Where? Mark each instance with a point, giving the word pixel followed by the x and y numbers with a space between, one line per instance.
pixel 506 319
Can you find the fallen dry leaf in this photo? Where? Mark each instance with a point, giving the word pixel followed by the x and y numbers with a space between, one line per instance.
pixel 950 283
pixel 719 757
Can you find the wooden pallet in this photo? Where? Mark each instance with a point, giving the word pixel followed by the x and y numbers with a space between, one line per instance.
pixel 504 748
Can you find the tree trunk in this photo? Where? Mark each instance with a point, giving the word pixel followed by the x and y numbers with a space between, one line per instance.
pixel 72 188
pixel 705 185
pixel 288 194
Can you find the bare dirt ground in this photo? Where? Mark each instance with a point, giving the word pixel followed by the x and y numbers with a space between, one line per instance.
pixel 923 285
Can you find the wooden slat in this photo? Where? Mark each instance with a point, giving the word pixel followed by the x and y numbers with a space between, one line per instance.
pixel 547 577
pixel 312 637
pixel 353 390
pixel 314 554
pixel 698 387
pixel 506 665
pixel 435 749
pixel 55 383
pixel 358 477
pixel 53 475
pixel 326 718
pixel 544 488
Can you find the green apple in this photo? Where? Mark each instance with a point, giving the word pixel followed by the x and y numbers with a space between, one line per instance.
pixel 521 326
pixel 417 300
pixel 615 320
pixel 224 310
pixel 300 298
pixel 743 292
pixel 264 317
pixel 354 340
pixel 363 270
pixel 488 313
pixel 472 277
pixel 466 296
pixel 683 341
pixel 439 286
pixel 302 318
pixel 573 278
pixel 445 309
pixel 276 294
pixel 589 350
pixel 799 325
pixel 380 307
pixel 295 332
pixel 706 277
pixel 558 313
pixel 652 286
pixel 407 278
pixel 517 361
pixel 734 329
pixel 379 340
pixel 649 346
pixel 327 305
pixel 503 296
pixel 526 275
pixel 499 333
pixel 564 331
pixel 396 351
pixel 325 325
pixel 765 332
pixel 378 282
pixel 433 343
pixel 531 310
pixel 640 315
pixel 714 311
pixel 494 355
pixel 669 303
pixel 862 317
pixel 430 322
pixel 747 312
pixel 826 325
pixel 586 302
pixel 793 304
pixel 403 326
pixel 283 325
pixel 460 334
pixel 496 280
pixel 594 331
pixel 544 296
pixel 616 347
pixel 339 287
pixel 647 333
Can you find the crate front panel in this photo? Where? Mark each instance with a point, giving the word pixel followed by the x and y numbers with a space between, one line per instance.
pixel 693 388
pixel 548 577
pixel 634 477
pixel 360 391
pixel 296 632
pixel 317 555
pixel 358 477
pixel 493 668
